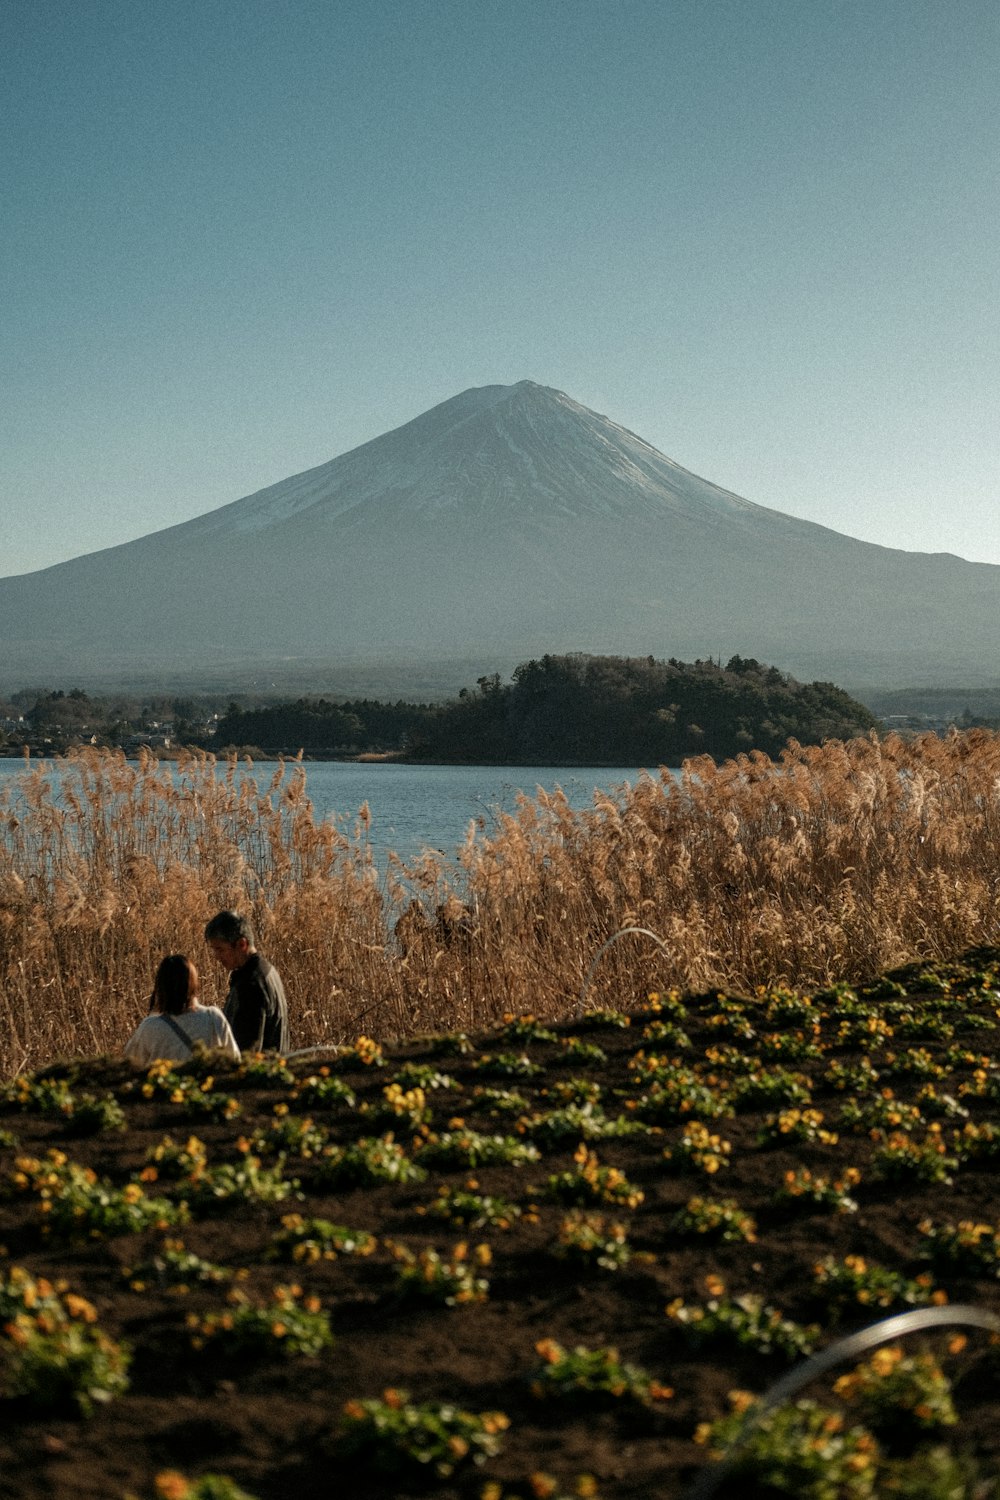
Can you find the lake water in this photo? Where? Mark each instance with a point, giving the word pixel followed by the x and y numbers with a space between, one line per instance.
pixel 419 807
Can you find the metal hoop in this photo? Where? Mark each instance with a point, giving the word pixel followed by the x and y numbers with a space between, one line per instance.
pixel 850 1347
pixel 622 932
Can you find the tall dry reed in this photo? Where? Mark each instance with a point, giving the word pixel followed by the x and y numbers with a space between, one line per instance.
pixel 831 863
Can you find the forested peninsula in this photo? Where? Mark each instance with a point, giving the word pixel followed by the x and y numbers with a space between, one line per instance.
pixel 564 710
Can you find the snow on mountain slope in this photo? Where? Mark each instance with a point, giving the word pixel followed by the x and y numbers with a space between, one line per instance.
pixel 523 449
pixel 509 521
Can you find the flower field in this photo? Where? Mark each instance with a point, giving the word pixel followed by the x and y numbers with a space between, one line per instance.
pixel 556 1259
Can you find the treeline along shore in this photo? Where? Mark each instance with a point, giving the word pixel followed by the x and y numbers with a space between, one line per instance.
pixel 557 710
pixel 577 709
pixel 826 863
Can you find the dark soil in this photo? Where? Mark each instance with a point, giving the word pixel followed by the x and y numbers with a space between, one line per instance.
pixel 273 1423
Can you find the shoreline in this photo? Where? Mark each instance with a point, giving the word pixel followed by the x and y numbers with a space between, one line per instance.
pixel 364 757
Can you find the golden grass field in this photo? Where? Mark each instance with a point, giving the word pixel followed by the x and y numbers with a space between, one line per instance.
pixel 834 862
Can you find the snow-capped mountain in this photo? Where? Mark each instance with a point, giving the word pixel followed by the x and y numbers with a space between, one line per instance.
pixel 524 449
pixel 504 523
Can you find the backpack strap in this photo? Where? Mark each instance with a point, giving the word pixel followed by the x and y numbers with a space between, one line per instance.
pixel 178 1031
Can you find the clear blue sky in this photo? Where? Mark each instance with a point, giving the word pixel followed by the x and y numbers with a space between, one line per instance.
pixel 242 236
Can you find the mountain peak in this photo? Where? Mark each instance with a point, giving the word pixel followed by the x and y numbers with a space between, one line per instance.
pixel 484 397
pixel 505 521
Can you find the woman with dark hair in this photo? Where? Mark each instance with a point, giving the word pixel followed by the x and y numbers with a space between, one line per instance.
pixel 177 1022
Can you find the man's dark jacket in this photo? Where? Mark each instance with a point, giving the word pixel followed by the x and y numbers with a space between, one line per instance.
pixel 256 1008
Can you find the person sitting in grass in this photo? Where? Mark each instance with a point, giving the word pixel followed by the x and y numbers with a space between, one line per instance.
pixel 255 1007
pixel 176 1022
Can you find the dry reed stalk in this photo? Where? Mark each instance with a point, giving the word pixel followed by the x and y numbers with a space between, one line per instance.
pixel 831 863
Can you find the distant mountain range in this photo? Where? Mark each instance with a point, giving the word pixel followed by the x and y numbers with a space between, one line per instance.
pixel 505 523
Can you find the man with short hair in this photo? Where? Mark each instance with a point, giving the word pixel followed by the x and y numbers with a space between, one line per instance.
pixel 255 1007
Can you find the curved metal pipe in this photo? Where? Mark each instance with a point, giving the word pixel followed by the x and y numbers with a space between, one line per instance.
pixel 622 932
pixel 850 1347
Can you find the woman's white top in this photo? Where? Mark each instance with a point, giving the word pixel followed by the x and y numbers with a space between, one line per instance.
pixel 155 1038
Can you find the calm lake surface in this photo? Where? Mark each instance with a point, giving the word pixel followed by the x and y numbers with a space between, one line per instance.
pixel 420 807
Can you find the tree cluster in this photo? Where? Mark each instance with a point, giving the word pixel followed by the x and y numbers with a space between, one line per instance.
pixel 615 710
pixel 316 725
pixel 576 709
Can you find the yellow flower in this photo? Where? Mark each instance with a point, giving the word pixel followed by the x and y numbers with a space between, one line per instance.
pixel 170 1485
pixel 18 1330
pixel 884 1361
pixel 741 1401
pixel 79 1307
